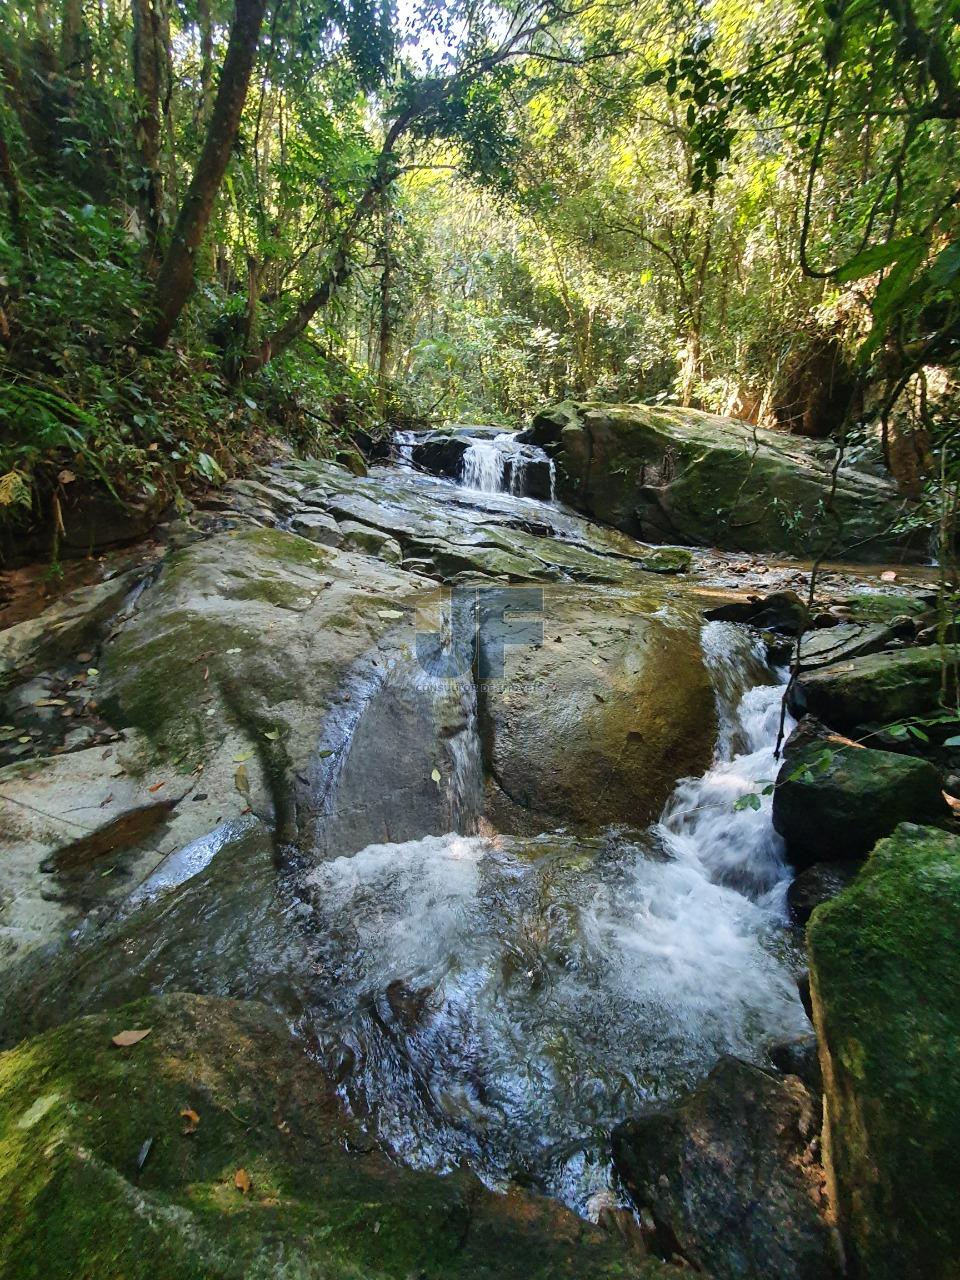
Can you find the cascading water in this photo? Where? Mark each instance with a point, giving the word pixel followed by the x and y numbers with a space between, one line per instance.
pixel 503 464
pixel 405 441
pixel 505 1001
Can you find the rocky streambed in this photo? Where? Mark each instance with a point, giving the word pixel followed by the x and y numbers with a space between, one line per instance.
pixel 428 826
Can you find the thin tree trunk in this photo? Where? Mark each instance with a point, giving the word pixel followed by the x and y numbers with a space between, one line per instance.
pixel 147 75
pixel 11 183
pixel 71 39
pixel 385 335
pixel 339 271
pixel 206 59
pixel 176 278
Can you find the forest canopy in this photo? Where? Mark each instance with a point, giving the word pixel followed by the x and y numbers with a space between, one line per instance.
pixel 323 218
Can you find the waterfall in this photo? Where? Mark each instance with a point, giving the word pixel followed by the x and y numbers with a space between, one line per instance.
pixel 483 466
pixel 405 441
pixel 504 465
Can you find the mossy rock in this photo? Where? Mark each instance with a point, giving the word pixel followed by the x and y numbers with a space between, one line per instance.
pixel 100 1178
pixel 678 475
pixel 836 800
pixel 873 691
pixel 885 985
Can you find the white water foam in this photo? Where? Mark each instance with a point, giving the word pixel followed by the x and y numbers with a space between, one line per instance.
pixel 499 465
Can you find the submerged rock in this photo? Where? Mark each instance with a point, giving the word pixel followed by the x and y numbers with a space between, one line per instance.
pixel 834 799
pixel 678 475
pixel 732 1176
pixel 75 620
pixel 214 1147
pixel 886 1002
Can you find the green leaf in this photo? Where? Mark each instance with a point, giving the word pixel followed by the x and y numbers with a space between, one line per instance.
pixel 874 259
pixel 952 742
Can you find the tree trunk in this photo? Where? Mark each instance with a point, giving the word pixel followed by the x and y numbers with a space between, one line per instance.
pixel 176 278
pixel 147 75
pixel 385 335
pixel 72 52
pixel 11 183
pixel 206 59
pixel 339 271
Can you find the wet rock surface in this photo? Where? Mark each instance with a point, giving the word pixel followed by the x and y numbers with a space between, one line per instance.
pixel 732 1176
pixel 269 757
pixel 214 1148
pixel 596 723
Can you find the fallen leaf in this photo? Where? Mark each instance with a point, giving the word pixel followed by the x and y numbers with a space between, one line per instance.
pixel 241 1180
pixel 124 1039
pixel 206 673
pixel 106 800
pixel 436 776
pixel 888 576
pixel 192 1119
pixel 92 671
pixel 325 753
pixel 244 755
pixel 84 657
pixel 389 613
pixel 272 734
pixel 241 781
pixel 66 476
pixel 157 785
pixel 51 702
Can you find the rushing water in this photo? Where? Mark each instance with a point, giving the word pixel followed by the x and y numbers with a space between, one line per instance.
pixel 501 465
pixel 506 1001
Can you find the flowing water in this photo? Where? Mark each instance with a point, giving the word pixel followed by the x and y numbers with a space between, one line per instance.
pixel 506 1001
pixel 501 465
pixel 494 999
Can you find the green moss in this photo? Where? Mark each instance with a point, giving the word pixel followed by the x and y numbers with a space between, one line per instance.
pixel 878 606
pixel 885 977
pixel 287 548
pixel 73 1203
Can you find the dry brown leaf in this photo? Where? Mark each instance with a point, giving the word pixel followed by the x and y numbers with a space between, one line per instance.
pixel 124 1039
pixel 241 1180
pixel 241 781
pixel 157 785
pixel 192 1119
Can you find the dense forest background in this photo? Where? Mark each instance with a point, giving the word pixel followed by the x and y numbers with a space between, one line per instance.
pixel 315 218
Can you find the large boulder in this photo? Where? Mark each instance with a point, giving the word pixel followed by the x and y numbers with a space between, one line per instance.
pixel 834 800
pixel 732 1176
pixel 283 673
pixel 874 690
pixel 885 985
pixel 678 475
pixel 596 723
pixel 213 1147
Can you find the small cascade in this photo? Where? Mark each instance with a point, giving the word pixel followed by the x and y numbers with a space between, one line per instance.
pixel 504 464
pixel 504 1000
pixel 484 463
pixel 405 441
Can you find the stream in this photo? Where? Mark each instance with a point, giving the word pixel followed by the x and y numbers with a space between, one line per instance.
pixel 504 1001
